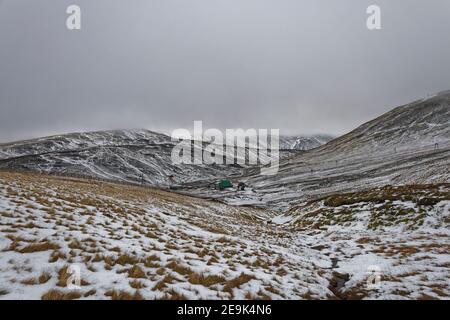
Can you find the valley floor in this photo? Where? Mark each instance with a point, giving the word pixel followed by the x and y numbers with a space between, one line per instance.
pixel 140 243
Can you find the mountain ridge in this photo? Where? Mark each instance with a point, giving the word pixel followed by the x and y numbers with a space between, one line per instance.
pixel 138 156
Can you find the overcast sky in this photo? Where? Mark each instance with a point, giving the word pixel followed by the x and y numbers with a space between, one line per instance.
pixel 303 66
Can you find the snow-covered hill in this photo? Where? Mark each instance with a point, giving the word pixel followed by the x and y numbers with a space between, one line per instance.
pixel 139 243
pixel 303 143
pixel 410 144
pixel 133 156
pixel 134 243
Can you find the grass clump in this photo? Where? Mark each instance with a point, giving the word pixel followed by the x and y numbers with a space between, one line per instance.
pixel 54 294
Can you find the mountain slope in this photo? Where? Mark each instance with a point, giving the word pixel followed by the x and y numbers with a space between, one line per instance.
pixel 132 156
pixel 303 143
pixel 132 242
pixel 410 144
pixel 140 243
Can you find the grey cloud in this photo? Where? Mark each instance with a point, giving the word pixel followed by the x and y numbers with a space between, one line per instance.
pixel 301 66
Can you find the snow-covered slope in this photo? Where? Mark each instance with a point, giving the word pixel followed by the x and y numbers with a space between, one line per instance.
pixel 79 141
pixel 138 243
pixel 135 243
pixel 410 144
pixel 303 143
pixel 134 156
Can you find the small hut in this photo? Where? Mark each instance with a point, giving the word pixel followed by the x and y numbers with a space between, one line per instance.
pixel 224 184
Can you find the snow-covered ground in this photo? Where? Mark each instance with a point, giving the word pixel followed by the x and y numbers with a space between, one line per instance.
pixel 133 243
pixel 400 233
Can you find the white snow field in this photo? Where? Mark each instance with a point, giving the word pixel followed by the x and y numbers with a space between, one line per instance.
pixel 139 243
